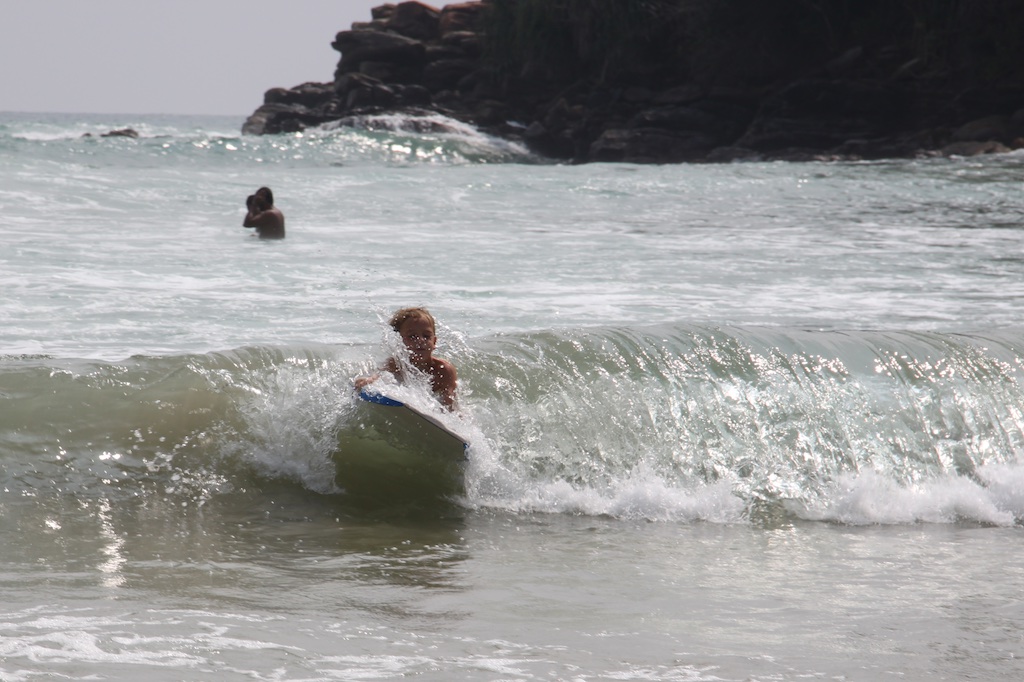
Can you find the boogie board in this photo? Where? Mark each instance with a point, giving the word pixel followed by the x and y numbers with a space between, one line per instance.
pixel 391 453
pixel 430 432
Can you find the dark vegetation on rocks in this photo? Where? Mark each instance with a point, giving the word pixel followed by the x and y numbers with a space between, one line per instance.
pixel 668 81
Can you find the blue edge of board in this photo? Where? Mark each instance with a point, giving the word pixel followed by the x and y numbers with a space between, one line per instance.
pixel 380 399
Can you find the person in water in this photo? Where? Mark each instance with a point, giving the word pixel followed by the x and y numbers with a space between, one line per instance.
pixel 263 215
pixel 418 331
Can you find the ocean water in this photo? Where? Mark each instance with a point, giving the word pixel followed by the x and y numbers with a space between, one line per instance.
pixel 755 421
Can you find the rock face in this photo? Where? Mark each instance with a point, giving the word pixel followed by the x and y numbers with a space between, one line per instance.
pixel 415 58
pixel 120 132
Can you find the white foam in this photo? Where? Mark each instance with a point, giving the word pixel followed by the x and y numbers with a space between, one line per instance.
pixel 868 498
pixel 642 495
pixel 428 127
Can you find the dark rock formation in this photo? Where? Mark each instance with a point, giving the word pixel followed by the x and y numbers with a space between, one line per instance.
pixel 120 132
pixel 865 103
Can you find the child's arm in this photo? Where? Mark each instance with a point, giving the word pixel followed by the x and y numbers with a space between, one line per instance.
pixel 445 381
pixel 364 381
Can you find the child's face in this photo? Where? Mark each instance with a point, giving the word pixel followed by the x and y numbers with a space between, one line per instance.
pixel 418 336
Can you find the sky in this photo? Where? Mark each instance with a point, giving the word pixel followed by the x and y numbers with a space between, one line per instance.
pixel 165 56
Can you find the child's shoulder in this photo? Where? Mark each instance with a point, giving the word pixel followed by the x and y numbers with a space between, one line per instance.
pixel 440 364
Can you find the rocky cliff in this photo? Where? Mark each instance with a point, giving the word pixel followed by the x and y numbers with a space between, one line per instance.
pixel 864 102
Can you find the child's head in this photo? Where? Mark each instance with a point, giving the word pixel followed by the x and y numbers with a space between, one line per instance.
pixel 417 328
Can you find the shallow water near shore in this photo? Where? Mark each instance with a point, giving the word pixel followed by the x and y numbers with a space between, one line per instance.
pixel 736 422
pixel 288 591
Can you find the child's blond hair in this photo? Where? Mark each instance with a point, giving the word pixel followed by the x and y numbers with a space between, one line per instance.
pixel 405 314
